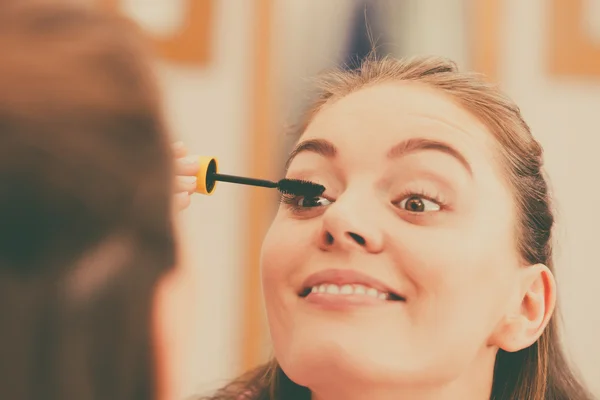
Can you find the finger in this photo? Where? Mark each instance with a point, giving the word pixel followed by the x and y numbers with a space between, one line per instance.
pixel 189 166
pixel 179 150
pixel 182 201
pixel 185 184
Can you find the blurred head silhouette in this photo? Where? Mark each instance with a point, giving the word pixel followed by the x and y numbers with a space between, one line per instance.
pixel 87 244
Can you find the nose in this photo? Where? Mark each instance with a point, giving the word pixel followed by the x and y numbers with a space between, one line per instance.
pixel 350 228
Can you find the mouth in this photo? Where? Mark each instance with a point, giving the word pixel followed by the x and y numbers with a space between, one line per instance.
pixel 347 284
pixel 350 290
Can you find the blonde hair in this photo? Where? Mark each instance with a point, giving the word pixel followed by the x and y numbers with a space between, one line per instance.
pixel 541 371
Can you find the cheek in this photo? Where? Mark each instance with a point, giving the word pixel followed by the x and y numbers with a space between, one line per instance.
pixel 284 251
pixel 463 282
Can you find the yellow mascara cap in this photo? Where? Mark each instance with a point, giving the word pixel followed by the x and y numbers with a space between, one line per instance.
pixel 204 184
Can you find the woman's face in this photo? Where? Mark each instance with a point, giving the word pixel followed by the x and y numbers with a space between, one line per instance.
pixel 401 271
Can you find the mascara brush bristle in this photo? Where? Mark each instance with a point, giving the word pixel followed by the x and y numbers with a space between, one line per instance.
pixel 300 187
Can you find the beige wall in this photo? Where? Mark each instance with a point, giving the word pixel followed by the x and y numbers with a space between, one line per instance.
pixel 208 108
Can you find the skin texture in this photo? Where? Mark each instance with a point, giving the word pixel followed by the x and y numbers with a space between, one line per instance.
pixel 437 229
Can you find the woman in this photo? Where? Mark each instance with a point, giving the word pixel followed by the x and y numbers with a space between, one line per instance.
pixel 89 291
pixel 425 270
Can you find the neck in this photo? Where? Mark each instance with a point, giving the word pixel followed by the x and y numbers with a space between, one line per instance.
pixel 475 383
pixel 474 391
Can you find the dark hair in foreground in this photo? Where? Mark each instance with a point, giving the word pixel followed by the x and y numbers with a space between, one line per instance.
pixel 85 226
pixel 539 372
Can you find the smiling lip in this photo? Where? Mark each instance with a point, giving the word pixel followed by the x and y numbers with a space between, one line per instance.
pixel 345 276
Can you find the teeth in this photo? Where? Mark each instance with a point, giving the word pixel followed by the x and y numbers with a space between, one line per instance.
pixel 330 288
pixel 347 289
pixel 333 289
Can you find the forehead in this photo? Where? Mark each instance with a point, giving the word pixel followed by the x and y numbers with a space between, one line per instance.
pixel 374 118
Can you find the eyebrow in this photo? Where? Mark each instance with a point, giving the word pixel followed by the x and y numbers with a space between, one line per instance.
pixel 328 150
pixel 414 145
pixel 318 146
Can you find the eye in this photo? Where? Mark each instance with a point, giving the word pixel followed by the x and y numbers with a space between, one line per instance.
pixel 311 202
pixel 300 204
pixel 418 204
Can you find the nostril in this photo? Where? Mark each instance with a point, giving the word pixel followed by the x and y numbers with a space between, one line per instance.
pixel 329 238
pixel 357 238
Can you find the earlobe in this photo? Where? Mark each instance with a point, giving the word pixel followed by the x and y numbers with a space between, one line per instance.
pixel 537 302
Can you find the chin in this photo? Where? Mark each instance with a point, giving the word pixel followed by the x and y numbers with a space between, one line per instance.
pixel 322 359
pixel 326 360
pixel 320 363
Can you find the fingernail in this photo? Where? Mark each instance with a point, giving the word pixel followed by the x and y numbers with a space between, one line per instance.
pixel 187 179
pixel 178 144
pixel 189 160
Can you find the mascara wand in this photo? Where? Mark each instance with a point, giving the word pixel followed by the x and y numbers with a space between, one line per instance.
pixel 208 177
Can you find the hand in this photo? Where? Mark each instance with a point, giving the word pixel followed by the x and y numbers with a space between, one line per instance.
pixel 186 168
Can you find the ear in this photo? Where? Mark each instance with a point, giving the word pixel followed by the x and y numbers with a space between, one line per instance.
pixel 536 303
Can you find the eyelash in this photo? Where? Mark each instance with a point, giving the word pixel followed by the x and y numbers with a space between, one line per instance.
pixel 291 202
